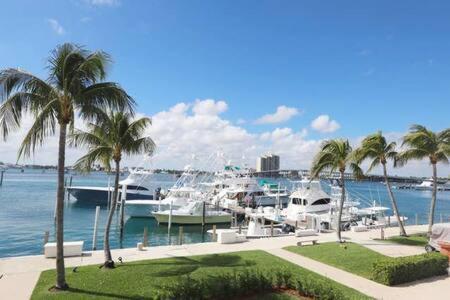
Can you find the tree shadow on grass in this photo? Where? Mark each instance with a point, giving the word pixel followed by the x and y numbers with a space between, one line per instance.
pixel 185 265
pixel 103 294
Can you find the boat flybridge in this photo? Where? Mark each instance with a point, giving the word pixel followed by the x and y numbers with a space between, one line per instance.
pixel 137 183
pixel 180 194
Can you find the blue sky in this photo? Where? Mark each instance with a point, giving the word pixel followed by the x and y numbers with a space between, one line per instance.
pixel 367 65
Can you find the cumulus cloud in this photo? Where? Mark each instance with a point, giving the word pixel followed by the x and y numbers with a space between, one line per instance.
pixel 56 27
pixel 282 114
pixel 197 129
pixel 324 124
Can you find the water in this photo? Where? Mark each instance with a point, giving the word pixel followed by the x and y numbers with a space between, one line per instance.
pixel 27 202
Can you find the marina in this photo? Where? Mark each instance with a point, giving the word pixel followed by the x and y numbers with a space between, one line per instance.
pixel 27 200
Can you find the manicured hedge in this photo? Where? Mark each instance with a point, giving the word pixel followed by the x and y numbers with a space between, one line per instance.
pixel 248 282
pixel 410 268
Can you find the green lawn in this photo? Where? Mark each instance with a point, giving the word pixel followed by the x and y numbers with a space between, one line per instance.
pixel 350 257
pixel 419 239
pixel 142 279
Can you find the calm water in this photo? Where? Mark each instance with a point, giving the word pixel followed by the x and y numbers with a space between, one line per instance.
pixel 27 202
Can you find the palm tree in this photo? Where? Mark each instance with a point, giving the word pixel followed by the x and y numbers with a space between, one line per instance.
pixel 375 148
pixel 423 143
pixel 113 135
pixel 74 87
pixel 336 155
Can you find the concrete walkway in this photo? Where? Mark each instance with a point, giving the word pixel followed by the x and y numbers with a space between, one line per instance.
pixel 20 274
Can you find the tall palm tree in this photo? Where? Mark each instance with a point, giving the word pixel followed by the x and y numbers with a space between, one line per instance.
pixel 423 143
pixel 336 155
pixel 113 135
pixel 73 87
pixel 376 148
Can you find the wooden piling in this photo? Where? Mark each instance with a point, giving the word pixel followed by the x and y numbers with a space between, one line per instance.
pixel 271 228
pixel 94 238
pixel 180 235
pixel 440 218
pixel 389 221
pixel 46 235
pixel 214 236
pixel 203 213
pixel 417 219
pixel 145 237
pixel 1 177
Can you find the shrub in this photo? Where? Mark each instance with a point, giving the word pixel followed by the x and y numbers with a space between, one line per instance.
pixel 410 268
pixel 248 282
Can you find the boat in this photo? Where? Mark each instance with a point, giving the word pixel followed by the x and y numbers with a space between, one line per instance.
pixel 194 213
pixel 176 197
pixel 137 187
pixel 427 185
pixel 245 191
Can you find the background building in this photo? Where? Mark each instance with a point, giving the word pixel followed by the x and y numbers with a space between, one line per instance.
pixel 266 163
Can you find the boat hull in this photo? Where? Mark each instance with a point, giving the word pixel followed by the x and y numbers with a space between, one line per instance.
pixel 192 220
pixel 144 208
pixel 100 195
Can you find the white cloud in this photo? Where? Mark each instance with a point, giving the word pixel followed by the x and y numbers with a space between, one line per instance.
pixel 197 128
pixel 209 107
pixel 324 124
pixel 57 28
pixel 282 114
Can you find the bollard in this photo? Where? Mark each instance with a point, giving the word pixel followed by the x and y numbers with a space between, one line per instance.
pixel 180 235
pixel 145 237
pixel 94 238
pixel 417 219
pixel 214 237
pixel 271 228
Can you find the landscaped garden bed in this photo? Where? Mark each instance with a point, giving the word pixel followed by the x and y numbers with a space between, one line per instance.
pixel 239 275
pixel 372 265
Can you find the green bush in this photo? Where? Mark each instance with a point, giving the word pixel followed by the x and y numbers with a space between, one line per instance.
pixel 248 282
pixel 410 268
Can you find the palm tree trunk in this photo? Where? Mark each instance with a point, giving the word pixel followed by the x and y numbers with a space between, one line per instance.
pixel 60 271
pixel 109 263
pixel 433 200
pixel 393 202
pixel 341 206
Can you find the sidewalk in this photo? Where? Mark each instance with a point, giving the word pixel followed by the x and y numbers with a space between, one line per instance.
pixel 20 274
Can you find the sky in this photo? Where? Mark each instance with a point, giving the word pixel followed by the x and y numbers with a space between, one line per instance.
pixel 250 77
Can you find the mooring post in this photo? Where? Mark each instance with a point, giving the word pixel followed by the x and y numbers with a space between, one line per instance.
pixel 122 207
pixel 1 177
pixel 382 233
pixel 214 237
pixel 94 237
pixel 271 228
pixel 145 237
pixel 417 219
pixel 46 235
pixel 389 221
pixel 203 213
pixel 169 224
pixel 180 235
pixel 440 218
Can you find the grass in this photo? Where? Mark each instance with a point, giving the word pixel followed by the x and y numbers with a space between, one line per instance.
pixel 419 239
pixel 142 279
pixel 349 257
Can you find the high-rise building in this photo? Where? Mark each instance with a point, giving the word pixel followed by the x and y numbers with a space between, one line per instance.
pixel 269 162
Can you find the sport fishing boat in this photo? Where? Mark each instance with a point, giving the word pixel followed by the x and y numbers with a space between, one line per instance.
pixel 194 213
pixel 137 186
pixel 181 193
pixel 244 191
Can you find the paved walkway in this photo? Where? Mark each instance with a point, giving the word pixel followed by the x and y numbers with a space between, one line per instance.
pixel 20 274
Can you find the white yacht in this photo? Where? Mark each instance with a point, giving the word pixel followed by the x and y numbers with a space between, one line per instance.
pixel 194 213
pixel 181 193
pixel 245 191
pixel 426 185
pixel 137 183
